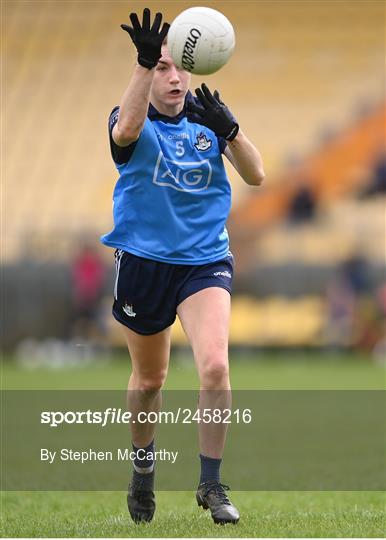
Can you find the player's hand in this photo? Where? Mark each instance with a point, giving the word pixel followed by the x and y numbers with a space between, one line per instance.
pixel 147 40
pixel 213 114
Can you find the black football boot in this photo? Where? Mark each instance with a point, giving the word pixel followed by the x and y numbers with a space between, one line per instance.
pixel 141 498
pixel 212 495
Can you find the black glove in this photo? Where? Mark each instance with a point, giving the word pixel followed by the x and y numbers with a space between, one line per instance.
pixel 148 41
pixel 213 114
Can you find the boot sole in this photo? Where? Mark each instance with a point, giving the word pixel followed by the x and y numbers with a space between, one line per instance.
pixel 204 506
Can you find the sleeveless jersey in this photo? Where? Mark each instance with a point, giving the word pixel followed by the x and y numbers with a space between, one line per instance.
pixel 173 197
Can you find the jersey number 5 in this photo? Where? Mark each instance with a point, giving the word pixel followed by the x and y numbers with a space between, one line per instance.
pixel 180 150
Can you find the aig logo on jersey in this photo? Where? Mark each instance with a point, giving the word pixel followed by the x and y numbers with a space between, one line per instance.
pixel 182 175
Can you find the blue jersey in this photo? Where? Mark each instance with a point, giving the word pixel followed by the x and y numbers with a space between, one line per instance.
pixel 173 197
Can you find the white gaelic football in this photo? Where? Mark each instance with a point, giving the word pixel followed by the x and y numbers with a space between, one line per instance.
pixel 201 40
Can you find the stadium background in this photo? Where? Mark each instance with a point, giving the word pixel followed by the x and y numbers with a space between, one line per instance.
pixel 306 83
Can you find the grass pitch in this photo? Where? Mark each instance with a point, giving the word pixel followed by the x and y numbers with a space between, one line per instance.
pixel 253 371
pixel 263 514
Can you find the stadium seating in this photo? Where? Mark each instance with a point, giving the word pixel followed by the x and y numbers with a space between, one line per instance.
pixel 66 64
pixel 337 169
pixel 344 227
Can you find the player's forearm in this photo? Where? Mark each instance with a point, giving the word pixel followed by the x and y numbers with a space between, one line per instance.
pixel 134 104
pixel 247 159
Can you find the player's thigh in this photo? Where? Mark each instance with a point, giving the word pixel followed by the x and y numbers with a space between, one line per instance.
pixel 205 319
pixel 149 353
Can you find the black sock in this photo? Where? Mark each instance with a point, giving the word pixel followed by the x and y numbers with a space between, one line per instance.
pixel 210 469
pixel 143 462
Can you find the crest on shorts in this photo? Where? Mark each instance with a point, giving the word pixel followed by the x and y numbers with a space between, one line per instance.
pixel 128 309
pixel 202 143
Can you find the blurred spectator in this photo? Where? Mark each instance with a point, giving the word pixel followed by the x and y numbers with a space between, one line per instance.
pixel 352 317
pixel 340 311
pixel 378 182
pixel 88 277
pixel 356 272
pixel 303 205
pixel 367 320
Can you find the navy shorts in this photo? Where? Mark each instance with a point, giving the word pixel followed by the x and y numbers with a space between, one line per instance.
pixel 147 292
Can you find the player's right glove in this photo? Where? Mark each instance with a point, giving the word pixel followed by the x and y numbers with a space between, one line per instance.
pixel 147 40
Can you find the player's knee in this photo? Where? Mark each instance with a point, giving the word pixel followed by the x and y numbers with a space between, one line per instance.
pixel 215 371
pixel 150 384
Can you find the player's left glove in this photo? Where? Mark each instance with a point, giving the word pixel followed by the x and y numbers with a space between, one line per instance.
pixel 213 114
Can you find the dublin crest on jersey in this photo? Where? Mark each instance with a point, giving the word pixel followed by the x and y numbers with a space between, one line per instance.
pixel 202 143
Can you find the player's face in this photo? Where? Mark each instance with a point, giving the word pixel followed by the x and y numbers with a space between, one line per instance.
pixel 170 85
